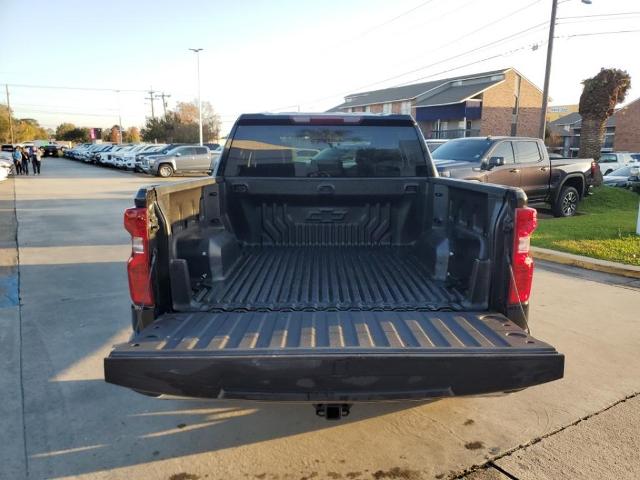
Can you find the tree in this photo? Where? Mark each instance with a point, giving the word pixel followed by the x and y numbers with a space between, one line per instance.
pixel 27 129
pixel 598 101
pixel 132 135
pixel 76 134
pixel 181 125
pixel 114 134
pixel 63 129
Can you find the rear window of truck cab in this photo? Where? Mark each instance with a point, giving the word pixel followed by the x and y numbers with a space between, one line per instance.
pixel 325 151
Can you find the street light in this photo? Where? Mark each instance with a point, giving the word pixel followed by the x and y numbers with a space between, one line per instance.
pixel 547 73
pixel 197 52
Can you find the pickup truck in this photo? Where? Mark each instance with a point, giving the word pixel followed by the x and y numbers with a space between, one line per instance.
pixel 520 162
pixel 356 274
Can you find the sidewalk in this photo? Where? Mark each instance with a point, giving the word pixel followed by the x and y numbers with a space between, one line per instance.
pixel 12 454
pixel 589 263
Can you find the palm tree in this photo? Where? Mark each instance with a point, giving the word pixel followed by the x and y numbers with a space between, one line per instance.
pixel 599 98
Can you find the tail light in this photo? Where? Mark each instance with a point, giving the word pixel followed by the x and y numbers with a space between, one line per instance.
pixel 594 169
pixel 520 287
pixel 138 267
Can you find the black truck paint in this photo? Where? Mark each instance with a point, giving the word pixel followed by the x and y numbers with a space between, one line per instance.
pixel 338 279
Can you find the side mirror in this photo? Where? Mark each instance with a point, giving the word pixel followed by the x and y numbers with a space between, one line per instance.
pixel 495 162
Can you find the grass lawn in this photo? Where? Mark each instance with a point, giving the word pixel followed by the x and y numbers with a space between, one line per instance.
pixel 606 229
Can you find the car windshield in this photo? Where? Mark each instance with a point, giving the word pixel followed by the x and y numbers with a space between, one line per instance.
pixel 325 151
pixel 608 157
pixel 620 172
pixel 464 150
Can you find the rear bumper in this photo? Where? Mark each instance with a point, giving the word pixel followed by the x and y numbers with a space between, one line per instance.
pixel 353 356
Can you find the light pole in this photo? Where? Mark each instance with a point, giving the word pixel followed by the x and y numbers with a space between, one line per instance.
pixel 197 52
pixel 547 72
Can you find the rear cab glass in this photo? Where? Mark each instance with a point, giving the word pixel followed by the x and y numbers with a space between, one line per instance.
pixel 311 150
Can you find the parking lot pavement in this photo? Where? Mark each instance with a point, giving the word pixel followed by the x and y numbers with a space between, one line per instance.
pixel 72 251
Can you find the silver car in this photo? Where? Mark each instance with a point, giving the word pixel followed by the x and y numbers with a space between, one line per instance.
pixel 181 159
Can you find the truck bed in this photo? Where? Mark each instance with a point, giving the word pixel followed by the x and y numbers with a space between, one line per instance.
pixel 343 278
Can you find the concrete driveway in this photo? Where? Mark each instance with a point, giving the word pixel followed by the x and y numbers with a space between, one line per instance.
pixel 61 420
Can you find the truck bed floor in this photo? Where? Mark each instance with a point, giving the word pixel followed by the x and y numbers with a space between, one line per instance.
pixel 299 278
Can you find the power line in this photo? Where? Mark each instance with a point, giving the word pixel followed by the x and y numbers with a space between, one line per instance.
pixel 383 24
pixel 614 32
pixel 60 87
pixel 600 15
pixel 531 29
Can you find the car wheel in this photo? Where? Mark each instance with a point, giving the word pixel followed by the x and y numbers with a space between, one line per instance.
pixel 165 170
pixel 567 202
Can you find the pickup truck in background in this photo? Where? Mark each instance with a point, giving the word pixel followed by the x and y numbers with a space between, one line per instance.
pixel 353 274
pixel 520 162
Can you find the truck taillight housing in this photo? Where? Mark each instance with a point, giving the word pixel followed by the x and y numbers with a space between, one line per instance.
pixel 138 267
pixel 526 222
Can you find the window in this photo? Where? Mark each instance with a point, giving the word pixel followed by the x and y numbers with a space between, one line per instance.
pixel 367 108
pixel 386 108
pixel 201 150
pixel 527 152
pixel 608 158
pixel 405 108
pixel 463 150
pixel 325 151
pixel 504 150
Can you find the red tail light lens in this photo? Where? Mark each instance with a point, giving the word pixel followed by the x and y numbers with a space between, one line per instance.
pixel 138 267
pixel 520 286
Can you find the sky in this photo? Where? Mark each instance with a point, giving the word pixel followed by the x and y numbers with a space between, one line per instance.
pixel 286 55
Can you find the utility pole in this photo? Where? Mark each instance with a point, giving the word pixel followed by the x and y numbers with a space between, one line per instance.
pixel 119 117
pixel 197 52
pixel 547 72
pixel 9 113
pixel 151 98
pixel 164 96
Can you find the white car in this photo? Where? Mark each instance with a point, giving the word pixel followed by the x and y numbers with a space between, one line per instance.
pixel 127 158
pixel 6 165
pixel 613 161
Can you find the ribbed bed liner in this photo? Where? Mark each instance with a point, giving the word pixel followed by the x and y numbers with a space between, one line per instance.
pixel 343 278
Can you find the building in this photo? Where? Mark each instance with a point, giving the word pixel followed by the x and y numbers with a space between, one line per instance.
pixel 500 102
pixel 554 112
pixel 622 132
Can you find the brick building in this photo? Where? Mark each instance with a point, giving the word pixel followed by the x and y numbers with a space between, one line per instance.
pixel 500 102
pixel 622 131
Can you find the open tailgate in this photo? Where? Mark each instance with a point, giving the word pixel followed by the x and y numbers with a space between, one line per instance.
pixel 332 356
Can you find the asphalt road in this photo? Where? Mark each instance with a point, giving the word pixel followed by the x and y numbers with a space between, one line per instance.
pixel 61 420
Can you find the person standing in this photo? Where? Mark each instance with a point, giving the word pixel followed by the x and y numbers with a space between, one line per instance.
pixel 36 159
pixel 25 161
pixel 17 160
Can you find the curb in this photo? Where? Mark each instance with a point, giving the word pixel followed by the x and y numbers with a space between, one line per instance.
pixel 589 263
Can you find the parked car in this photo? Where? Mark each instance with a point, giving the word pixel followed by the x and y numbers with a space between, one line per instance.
pixel 636 157
pixel 127 159
pixel 520 162
pixel 53 150
pixel 6 165
pixel 183 159
pixel 619 177
pixel 613 161
pixel 316 282
pixel 434 143
pixel 142 158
